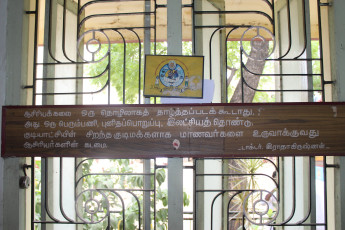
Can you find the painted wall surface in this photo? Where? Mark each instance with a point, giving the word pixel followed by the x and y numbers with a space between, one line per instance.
pixel 12 199
pixel 3 7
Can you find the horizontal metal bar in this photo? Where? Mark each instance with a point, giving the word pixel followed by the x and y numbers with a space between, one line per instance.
pixel 234 174
pixel 113 14
pixel 305 224
pixel 161 5
pixel 328 82
pixel 222 26
pixel 52 222
pixel 226 190
pixel 119 174
pixel 332 166
pixel 31 12
pixel 325 4
pixel 164 167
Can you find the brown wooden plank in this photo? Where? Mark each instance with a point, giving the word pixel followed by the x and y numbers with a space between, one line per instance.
pixel 148 131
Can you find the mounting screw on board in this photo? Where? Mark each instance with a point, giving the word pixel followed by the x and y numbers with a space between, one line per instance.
pixel 24 181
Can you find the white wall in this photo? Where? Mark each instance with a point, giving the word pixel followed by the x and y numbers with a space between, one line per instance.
pixel 12 203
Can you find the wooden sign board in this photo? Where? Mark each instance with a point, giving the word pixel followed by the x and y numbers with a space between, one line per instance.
pixel 148 131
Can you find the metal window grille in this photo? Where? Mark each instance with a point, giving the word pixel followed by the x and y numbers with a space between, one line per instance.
pixel 71 37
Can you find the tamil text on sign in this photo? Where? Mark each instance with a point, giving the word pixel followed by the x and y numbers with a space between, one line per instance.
pixel 147 131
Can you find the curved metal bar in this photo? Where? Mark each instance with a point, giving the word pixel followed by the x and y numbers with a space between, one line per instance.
pixel 213 201
pixel 258 28
pixel 109 77
pixel 67 63
pixel 139 210
pixel 277 90
pixel 123 208
pixel 227 38
pixel 103 195
pixel 310 195
pixel 124 68
pixel 61 194
pixel 80 26
pixel 47 192
pixel 269 4
pixel 280 74
pixel 304 30
pixel 112 174
pixel 81 162
pixel 293 193
pixel 241 174
pixel 81 9
pixel 289 29
pixel 75 78
pixel 76 93
pixel 50 32
pixel 228 208
pixel 238 12
pixel 64 32
pixel 139 77
pixel 210 48
pixel 226 60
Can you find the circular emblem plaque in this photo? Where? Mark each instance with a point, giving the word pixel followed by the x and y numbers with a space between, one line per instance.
pixel 171 74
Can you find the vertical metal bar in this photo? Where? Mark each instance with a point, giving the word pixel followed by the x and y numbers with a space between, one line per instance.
pixel 64 31
pixel 321 53
pixel 210 49
pixel 194 193
pixel 307 31
pixel 174 33
pixel 226 66
pixel 109 75
pixel 35 55
pixel 175 193
pixel 43 192
pixel 147 25
pixel 289 29
pixel 308 49
pixel 155 29
pixel 44 161
pixel 193 28
pixel 139 75
pixel 124 72
pixel 46 48
pixel 154 195
pixel 325 190
pixel 34 103
pixel 147 31
pixel 147 193
pixel 273 19
pixel 32 193
pixel 175 165
pixel 312 191
pixel 241 79
pixel 147 162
